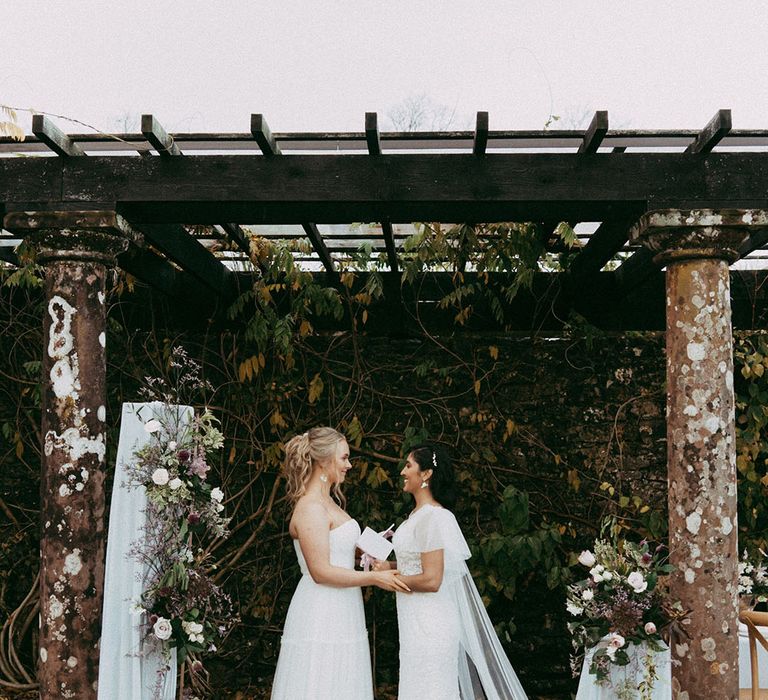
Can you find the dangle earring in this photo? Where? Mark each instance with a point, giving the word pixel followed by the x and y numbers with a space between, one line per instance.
pixel 324 478
pixel 424 484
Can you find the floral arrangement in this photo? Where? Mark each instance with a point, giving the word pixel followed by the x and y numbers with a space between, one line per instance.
pixel 753 578
pixel 182 606
pixel 624 600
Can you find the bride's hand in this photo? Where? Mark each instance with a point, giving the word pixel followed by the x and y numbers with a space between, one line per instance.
pixel 389 581
pixel 381 565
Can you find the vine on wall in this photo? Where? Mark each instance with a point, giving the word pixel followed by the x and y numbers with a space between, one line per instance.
pixel 539 430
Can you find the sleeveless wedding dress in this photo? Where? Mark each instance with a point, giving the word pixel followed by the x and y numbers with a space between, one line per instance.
pixel 448 647
pixel 324 652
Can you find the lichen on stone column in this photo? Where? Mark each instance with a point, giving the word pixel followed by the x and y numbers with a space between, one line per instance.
pixel 75 249
pixel 696 247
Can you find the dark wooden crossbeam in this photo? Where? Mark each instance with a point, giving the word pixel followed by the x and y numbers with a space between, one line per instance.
pixel 151 269
pixel 54 138
pixel 319 245
pixel 8 254
pixel 270 148
pixel 635 270
pixel 595 133
pixel 389 243
pixel 263 135
pixel 481 134
pixel 712 133
pixel 176 242
pixel 372 138
pixel 394 187
pixel 238 236
pixel 374 148
pixel 755 241
pixel 603 244
pixel 157 136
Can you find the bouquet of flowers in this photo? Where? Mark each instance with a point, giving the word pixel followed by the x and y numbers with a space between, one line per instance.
pixel 624 600
pixel 753 578
pixel 183 607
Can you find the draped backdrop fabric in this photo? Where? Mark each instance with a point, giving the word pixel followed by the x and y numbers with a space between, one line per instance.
pixel 130 669
pixel 626 678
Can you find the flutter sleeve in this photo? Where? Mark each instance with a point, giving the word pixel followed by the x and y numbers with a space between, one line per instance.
pixel 438 529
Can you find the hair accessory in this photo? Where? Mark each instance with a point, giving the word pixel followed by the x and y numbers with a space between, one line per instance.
pixel 424 484
pixel 434 460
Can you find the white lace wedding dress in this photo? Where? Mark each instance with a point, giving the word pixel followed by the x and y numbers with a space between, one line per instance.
pixel 324 654
pixel 448 647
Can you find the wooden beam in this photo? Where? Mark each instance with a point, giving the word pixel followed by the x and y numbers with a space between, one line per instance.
pixel 263 135
pixel 8 254
pixel 635 270
pixel 712 133
pixel 755 241
pixel 398 188
pixel 372 133
pixel 603 245
pixel 190 255
pixel 481 134
pixel 389 242
pixel 156 272
pixel 54 138
pixel 160 140
pixel 595 133
pixel 318 244
pixel 238 236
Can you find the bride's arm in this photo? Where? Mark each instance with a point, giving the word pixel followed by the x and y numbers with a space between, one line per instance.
pixel 431 576
pixel 313 528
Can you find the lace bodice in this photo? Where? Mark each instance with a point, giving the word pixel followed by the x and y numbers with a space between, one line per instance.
pixel 342 543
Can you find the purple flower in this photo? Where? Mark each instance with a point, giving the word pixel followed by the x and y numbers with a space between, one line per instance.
pixel 183 455
pixel 193 518
pixel 198 467
pixel 153 619
pixel 646 559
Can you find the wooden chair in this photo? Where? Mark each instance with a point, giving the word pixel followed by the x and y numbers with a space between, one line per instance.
pixel 753 620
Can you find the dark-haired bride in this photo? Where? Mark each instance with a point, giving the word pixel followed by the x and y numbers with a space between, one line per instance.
pixel 448 647
pixel 324 651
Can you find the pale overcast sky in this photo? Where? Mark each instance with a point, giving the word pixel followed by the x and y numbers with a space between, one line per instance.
pixel 319 66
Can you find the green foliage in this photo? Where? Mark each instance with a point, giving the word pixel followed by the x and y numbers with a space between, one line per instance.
pixel 515 549
pixel 751 363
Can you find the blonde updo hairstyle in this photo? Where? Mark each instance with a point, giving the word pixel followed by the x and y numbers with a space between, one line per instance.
pixel 302 452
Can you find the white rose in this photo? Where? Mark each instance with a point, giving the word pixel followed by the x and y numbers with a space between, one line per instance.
pixel 607 575
pixel 217 495
pixel 587 594
pixel 172 445
pixel 152 426
pixel 174 484
pixel 160 476
pixel 637 582
pixel 573 609
pixel 162 628
pixel 586 558
pixel 650 628
pixel 616 641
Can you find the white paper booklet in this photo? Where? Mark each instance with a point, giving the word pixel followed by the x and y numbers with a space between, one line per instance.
pixel 373 544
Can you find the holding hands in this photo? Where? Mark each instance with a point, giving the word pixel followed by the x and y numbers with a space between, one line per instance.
pixel 387 579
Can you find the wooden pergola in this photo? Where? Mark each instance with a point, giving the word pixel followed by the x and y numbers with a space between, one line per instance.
pixel 692 201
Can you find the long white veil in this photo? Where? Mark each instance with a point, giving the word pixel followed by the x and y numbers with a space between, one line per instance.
pixel 484 670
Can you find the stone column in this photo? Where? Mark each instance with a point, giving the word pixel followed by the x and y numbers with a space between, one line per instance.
pixel 75 249
pixel 697 246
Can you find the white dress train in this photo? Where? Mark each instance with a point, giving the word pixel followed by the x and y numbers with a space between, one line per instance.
pixel 324 653
pixel 448 647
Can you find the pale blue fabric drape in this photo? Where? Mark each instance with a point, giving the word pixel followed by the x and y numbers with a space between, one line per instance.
pixel 128 669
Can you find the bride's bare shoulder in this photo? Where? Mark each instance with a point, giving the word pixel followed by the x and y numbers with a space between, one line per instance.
pixel 309 509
